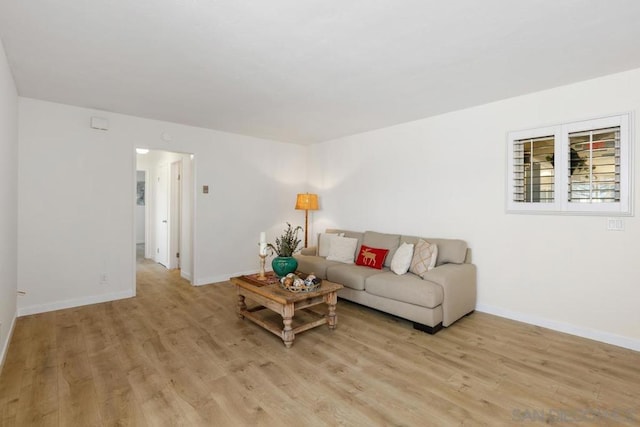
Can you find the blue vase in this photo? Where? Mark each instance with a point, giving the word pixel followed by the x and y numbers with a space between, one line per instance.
pixel 284 265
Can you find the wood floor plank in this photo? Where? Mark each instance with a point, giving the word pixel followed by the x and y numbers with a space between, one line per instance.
pixel 38 402
pixel 179 355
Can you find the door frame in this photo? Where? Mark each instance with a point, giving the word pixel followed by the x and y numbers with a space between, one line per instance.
pixel 190 203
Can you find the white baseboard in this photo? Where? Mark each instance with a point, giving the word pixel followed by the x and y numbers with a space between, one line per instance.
pixel 59 305
pixel 220 278
pixel 185 276
pixel 5 344
pixel 593 334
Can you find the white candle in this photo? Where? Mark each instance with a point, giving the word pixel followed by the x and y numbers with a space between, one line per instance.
pixel 263 243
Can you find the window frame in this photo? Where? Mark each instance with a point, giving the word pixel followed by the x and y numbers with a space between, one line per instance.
pixel 561 204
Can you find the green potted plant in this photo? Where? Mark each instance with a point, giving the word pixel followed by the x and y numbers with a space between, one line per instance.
pixel 285 246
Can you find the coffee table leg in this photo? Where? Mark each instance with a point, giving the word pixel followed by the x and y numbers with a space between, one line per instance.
pixel 241 306
pixel 287 318
pixel 331 300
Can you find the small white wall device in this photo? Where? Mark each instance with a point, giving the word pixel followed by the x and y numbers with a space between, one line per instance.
pixel 99 123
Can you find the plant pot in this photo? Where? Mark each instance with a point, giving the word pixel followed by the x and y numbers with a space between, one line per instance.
pixel 284 265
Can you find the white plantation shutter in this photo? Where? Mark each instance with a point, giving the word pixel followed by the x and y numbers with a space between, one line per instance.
pixel 533 175
pixel 594 166
pixel 580 167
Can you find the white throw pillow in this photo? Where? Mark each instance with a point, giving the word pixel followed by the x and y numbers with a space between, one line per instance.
pixel 324 242
pixel 402 259
pixel 342 249
pixel 424 257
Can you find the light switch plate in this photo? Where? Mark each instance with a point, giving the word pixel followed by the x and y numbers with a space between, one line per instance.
pixel 615 224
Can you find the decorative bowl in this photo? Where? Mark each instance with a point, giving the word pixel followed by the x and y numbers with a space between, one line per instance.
pixel 294 283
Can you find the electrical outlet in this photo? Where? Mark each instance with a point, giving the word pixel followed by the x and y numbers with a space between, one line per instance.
pixel 103 279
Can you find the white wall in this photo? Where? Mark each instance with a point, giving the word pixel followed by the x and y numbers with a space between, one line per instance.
pixel 77 200
pixel 445 177
pixel 442 176
pixel 8 201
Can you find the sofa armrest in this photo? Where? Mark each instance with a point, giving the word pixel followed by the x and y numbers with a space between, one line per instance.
pixel 311 250
pixel 458 282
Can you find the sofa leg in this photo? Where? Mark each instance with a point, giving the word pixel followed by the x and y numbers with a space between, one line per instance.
pixel 428 329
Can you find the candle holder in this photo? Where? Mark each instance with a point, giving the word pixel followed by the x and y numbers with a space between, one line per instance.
pixel 261 275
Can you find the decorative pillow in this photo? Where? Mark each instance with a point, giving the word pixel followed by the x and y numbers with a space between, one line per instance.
pixel 342 249
pixel 401 260
pixel 324 242
pixel 424 257
pixel 372 257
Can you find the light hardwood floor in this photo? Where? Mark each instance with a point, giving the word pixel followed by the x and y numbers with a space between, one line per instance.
pixel 179 355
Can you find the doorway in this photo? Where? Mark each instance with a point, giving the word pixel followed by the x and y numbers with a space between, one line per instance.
pixel 169 208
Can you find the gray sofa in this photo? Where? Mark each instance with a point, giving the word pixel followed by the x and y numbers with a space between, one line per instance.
pixel 444 295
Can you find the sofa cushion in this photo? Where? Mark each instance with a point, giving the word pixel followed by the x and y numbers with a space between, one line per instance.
pixel 371 257
pixel 402 258
pixel 424 259
pixel 350 275
pixel 449 250
pixel 374 239
pixel 407 288
pixel 314 264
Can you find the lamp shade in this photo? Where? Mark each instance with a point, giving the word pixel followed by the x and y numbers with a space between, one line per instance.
pixel 308 202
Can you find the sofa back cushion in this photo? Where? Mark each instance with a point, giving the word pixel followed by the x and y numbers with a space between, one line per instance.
pixel 449 250
pixel 373 239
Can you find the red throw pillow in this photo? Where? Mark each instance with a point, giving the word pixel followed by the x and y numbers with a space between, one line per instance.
pixel 372 257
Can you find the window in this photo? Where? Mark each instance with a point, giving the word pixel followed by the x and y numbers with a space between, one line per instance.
pixel 579 167
pixel 594 166
pixel 533 169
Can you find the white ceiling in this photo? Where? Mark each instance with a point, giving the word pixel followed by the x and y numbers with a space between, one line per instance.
pixel 306 71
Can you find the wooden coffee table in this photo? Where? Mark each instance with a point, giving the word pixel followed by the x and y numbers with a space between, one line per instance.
pixel 269 294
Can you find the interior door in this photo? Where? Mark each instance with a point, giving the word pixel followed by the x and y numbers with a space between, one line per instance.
pixel 175 205
pixel 162 215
